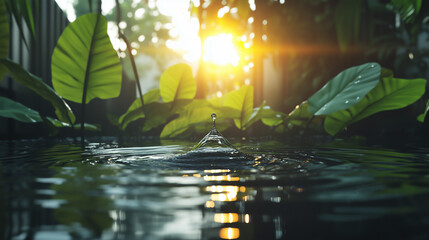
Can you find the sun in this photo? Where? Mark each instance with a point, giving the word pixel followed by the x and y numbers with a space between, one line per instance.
pixel 221 50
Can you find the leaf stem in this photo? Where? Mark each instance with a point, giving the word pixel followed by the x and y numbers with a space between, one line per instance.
pixel 133 63
pixel 85 89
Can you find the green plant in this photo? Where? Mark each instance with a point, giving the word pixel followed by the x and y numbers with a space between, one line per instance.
pixel 135 111
pixel 390 93
pixel 62 109
pixel 177 89
pixel 130 54
pixel 343 101
pixel 345 90
pixel 181 112
pixel 235 106
pixel 84 66
pixel 19 112
pixel 84 63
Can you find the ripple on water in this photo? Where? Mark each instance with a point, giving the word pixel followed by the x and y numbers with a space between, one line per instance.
pixel 157 192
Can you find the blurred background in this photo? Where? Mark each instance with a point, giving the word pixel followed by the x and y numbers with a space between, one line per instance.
pixel 286 49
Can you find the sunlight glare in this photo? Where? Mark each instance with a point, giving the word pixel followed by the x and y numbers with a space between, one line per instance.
pixel 220 50
pixel 172 7
pixel 226 217
pixel 183 28
pixel 222 11
pixel 229 233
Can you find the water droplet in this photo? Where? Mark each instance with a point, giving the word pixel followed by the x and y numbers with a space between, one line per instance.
pixel 372 65
pixel 214 120
pixel 357 82
pixel 347 101
pixel 214 138
pixel 359 76
pixel 357 98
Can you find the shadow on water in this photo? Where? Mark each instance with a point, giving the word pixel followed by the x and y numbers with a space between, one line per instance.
pixel 261 190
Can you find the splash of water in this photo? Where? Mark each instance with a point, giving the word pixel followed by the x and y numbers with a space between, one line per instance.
pixel 214 139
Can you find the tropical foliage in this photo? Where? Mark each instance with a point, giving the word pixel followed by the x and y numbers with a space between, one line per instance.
pixel 85 66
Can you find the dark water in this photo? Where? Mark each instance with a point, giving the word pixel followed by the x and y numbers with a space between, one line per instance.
pixel 150 190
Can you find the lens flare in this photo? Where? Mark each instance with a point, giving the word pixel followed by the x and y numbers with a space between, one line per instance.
pixel 220 50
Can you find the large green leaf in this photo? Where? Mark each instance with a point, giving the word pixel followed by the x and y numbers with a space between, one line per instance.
pixel 242 101
pixel 84 60
pixel 267 115
pixel 391 93
pixel 4 36
pixel 149 97
pixel 62 110
pixel 181 124
pixel 345 90
pixel 272 118
pixel 177 82
pixel 156 115
pixel 135 111
pixel 17 111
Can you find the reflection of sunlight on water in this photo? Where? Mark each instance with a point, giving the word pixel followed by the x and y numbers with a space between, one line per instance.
pixel 210 204
pixel 224 197
pixel 221 178
pixel 225 194
pixel 226 217
pixel 229 233
pixel 247 218
pixel 217 170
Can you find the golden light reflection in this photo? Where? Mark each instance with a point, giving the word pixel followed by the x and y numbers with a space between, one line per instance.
pixel 247 218
pixel 222 188
pixel 217 170
pixel 229 233
pixel 227 178
pixel 221 50
pixel 224 197
pixel 226 217
pixel 210 204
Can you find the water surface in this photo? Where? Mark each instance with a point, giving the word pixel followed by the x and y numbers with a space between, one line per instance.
pixel 157 190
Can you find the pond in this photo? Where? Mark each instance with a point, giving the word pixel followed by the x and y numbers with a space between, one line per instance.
pixel 153 189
